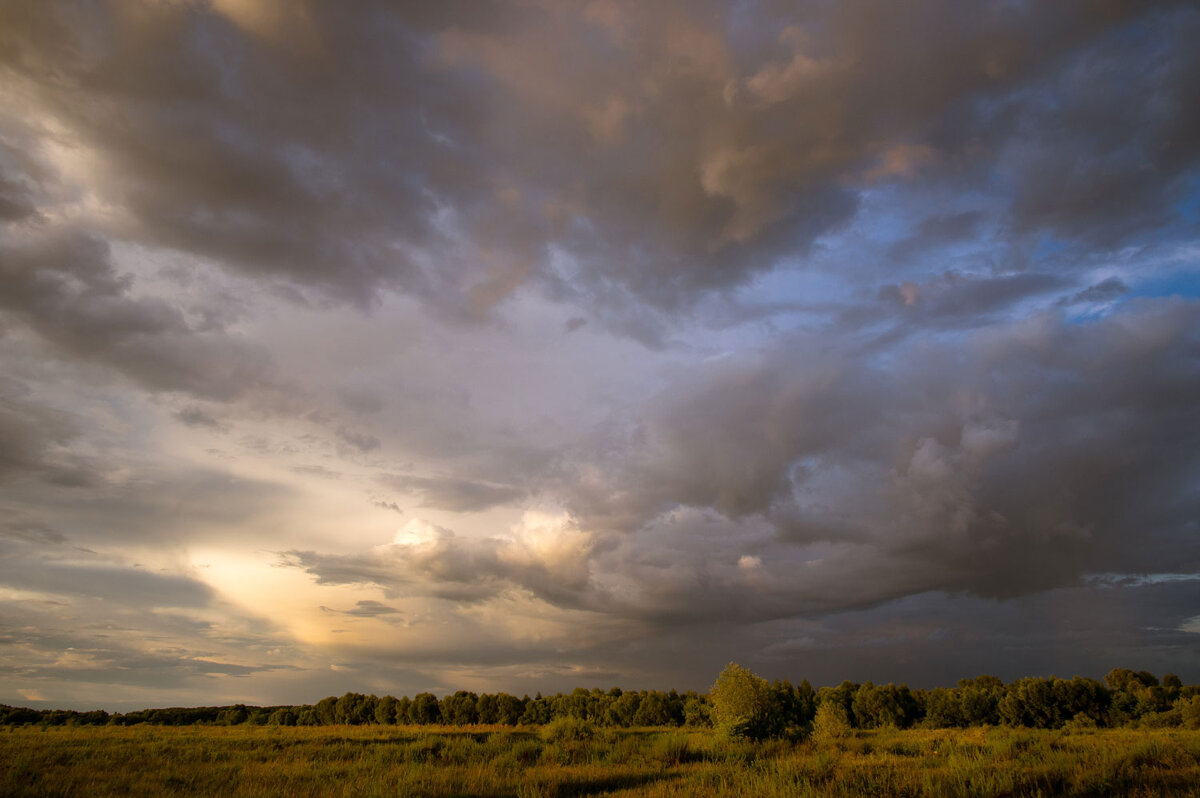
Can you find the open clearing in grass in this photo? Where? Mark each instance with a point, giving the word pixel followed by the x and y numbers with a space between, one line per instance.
pixel 501 761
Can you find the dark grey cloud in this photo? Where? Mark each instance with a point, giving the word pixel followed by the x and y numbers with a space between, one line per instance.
pixel 938 230
pixel 13 525
pixel 197 417
pixel 310 153
pixel 1108 149
pixel 150 508
pixel 1015 461
pixel 62 285
pixel 32 434
pixel 16 204
pixel 114 582
pixel 455 156
pixel 934 639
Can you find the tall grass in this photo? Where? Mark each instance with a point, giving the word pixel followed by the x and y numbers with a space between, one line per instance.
pixel 580 760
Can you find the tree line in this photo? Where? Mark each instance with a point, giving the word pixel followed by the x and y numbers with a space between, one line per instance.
pixel 740 702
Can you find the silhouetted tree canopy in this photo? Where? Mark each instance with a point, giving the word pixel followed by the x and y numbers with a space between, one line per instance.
pixel 740 703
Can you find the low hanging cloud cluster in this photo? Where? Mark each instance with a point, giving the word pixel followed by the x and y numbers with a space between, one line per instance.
pixel 544 554
pixel 1015 461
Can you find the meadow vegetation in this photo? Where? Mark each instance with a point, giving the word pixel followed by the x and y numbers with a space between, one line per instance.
pixel 574 758
pixel 1129 735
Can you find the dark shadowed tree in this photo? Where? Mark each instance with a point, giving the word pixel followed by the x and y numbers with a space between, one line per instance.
pixel 487 709
pixel 508 709
pixel 460 708
pixel 385 711
pixel 355 709
pixel 979 700
pixel 623 710
pixel 842 696
pixel 404 710
pixel 537 711
pixel 653 711
pixel 884 705
pixel 324 710
pixel 425 709
pixel 805 707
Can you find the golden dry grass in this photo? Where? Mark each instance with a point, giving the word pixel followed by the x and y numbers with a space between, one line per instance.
pixel 500 761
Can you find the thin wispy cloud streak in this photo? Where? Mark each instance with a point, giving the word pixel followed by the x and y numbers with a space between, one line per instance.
pixel 395 346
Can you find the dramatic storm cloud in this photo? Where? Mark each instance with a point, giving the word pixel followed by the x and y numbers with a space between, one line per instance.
pixel 522 346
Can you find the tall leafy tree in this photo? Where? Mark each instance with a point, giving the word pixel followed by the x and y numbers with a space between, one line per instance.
pixel 425 709
pixel 745 705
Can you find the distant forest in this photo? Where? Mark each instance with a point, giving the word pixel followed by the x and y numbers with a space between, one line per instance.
pixel 1124 698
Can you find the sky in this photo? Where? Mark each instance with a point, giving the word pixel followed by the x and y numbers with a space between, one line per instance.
pixel 389 347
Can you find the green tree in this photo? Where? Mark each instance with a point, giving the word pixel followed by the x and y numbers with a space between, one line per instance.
pixel 508 709
pixel 403 710
pixel 284 716
pixel 536 712
pixel 425 709
pixel 744 705
pixel 324 711
pixel 355 709
pixel 1129 681
pixel 1032 702
pixel 460 708
pixel 487 709
pixel 1189 710
pixel 696 711
pixel 831 722
pixel 624 709
pixel 885 705
pixel 805 707
pixel 653 711
pixel 1081 697
pixel 385 711
pixel 943 709
pixel 979 700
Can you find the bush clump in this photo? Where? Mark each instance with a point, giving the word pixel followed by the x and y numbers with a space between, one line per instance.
pixel 831 722
pixel 568 730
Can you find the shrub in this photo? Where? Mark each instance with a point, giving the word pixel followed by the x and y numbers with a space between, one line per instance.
pixel 1080 723
pixel 568 730
pixel 831 722
pixel 1189 711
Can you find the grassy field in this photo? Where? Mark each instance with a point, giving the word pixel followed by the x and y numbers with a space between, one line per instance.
pixel 500 761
